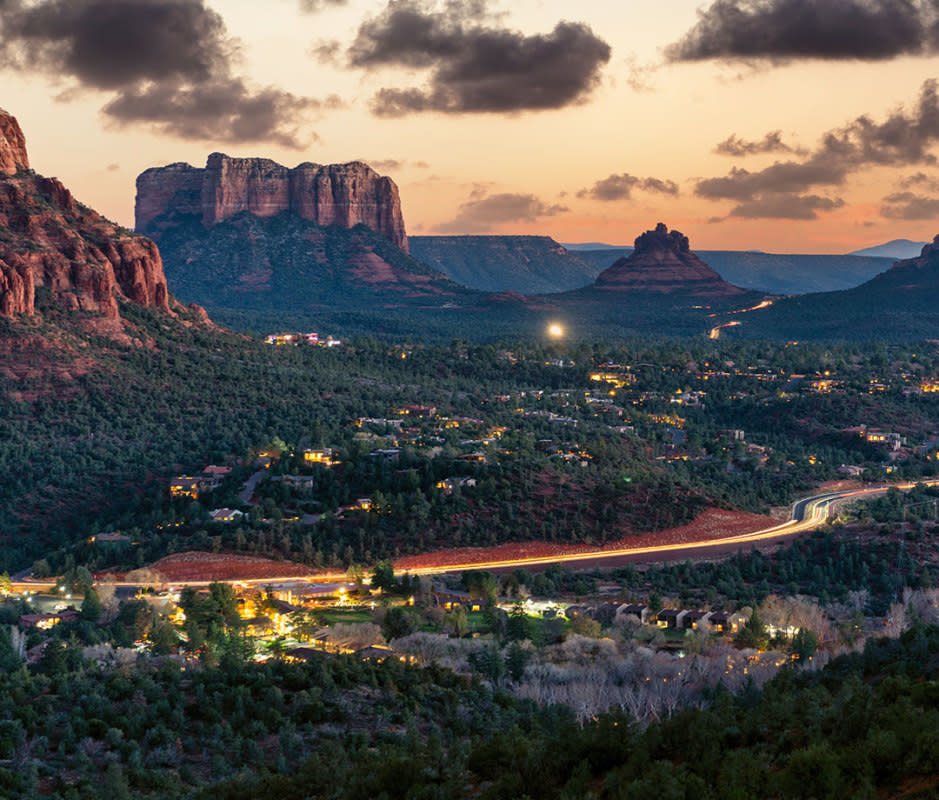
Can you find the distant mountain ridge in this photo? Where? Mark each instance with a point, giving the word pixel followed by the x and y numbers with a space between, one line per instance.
pixel 896 249
pixel 898 304
pixel 538 264
pixel 524 264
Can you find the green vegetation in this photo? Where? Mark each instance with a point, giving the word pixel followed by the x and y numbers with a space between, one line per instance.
pixel 562 459
pixel 340 727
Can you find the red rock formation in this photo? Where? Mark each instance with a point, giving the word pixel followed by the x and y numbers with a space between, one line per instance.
pixel 663 263
pixel 48 240
pixel 13 156
pixel 338 194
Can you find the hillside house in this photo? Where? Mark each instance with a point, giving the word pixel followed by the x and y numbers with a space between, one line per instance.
pixel 671 618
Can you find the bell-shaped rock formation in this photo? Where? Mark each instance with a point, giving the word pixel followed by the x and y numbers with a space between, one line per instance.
pixel 663 263
pixel 344 195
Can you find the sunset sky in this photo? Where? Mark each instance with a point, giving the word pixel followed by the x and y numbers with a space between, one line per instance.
pixel 779 125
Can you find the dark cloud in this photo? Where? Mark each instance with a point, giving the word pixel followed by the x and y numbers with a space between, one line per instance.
pixel 816 29
pixel 771 143
pixel 474 65
pixel 620 187
pixel 903 138
pixel 482 212
pixel 783 205
pixel 168 63
pixel 920 181
pixel 908 205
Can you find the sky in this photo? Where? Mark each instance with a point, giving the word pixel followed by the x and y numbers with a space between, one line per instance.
pixel 799 126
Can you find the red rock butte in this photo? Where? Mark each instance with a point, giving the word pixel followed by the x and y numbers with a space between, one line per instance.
pixel 49 240
pixel 663 263
pixel 337 194
pixel 13 156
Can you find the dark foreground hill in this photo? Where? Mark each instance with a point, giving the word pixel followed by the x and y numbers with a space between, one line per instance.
pixel 899 304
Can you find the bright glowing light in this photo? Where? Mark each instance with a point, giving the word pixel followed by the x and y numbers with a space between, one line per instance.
pixel 556 331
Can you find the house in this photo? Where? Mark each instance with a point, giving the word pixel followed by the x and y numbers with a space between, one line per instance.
pixel 213 471
pixel 361 504
pixel 226 515
pixel 851 470
pixel 391 454
pixel 447 485
pixel 418 411
pixel 695 619
pixel 304 482
pixel 605 613
pixel 322 456
pixel 671 617
pixel 189 486
pixel 109 538
pixel 380 422
pixel 46 621
pixel 726 622
pixel 893 441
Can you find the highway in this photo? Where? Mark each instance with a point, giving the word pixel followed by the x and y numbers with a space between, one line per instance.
pixel 806 515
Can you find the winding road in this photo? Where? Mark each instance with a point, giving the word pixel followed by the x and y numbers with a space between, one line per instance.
pixel 807 514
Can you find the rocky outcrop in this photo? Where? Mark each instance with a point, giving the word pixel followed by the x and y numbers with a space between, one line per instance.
pixel 49 241
pixel 663 263
pixel 285 264
pixel 13 156
pixel 909 277
pixel 344 195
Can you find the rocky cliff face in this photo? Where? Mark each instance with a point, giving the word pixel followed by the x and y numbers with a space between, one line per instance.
pixel 344 195
pixel 48 240
pixel 663 263
pixel 13 156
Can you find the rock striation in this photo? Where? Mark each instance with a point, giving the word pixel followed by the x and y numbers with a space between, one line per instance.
pixel 343 195
pixel 49 241
pixel 13 156
pixel 663 263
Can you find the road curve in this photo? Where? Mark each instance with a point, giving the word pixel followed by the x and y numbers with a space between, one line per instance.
pixel 806 515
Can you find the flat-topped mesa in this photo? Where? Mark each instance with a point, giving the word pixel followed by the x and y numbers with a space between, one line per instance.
pixel 13 156
pixel 663 263
pixel 336 194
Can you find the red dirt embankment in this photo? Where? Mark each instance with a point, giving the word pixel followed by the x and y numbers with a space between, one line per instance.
pixel 711 524
pixel 197 566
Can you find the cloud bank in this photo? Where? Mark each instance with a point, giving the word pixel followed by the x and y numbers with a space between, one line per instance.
pixel 166 63
pixel 784 30
pixel 474 65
